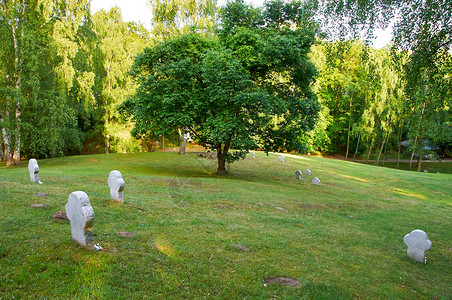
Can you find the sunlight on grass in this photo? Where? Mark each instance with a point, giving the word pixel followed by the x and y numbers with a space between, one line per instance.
pixel 201 236
pixel 408 193
pixel 163 246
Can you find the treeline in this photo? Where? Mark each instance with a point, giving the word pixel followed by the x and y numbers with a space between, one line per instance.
pixel 369 107
pixel 63 71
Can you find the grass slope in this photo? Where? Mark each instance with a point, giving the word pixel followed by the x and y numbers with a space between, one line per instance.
pixel 342 239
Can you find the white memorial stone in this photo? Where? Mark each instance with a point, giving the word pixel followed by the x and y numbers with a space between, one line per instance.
pixel 418 243
pixel 298 174
pixel 307 172
pixel 33 168
pixel 116 184
pixel 316 181
pixel 253 155
pixel 281 158
pixel 81 215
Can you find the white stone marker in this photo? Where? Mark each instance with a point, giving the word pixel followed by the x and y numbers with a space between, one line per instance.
pixel 316 181
pixel 81 215
pixel 116 184
pixel 298 174
pixel 307 172
pixel 33 168
pixel 281 158
pixel 253 155
pixel 418 243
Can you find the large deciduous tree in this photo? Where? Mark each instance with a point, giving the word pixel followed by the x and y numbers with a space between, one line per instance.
pixel 250 89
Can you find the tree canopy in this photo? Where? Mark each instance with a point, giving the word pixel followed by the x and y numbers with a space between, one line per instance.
pixel 249 89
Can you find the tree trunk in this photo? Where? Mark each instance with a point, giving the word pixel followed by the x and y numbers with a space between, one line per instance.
pixel 370 150
pixel 400 146
pixel 349 126
pixel 7 156
pixel 107 144
pixel 221 156
pixel 385 148
pixel 412 153
pixel 357 146
pixel 183 143
pixel 154 147
pixel 421 153
pixel 348 142
pixel 379 153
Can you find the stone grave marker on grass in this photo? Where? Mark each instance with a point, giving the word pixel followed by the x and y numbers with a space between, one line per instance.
pixel 307 172
pixel 281 158
pixel 316 181
pixel 116 184
pixel 418 243
pixel 253 155
pixel 33 168
pixel 298 174
pixel 81 215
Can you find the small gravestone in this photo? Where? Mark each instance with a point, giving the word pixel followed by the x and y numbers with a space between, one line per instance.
pixel 316 181
pixel 38 205
pixel 418 243
pixel 298 174
pixel 33 168
pixel 41 194
pixel 425 171
pixel 116 184
pixel 81 215
pixel 253 155
pixel 307 172
pixel 281 158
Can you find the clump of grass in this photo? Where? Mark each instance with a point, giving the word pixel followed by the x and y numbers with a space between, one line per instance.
pixel 197 235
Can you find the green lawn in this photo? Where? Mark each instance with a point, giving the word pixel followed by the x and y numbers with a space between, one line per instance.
pixel 340 240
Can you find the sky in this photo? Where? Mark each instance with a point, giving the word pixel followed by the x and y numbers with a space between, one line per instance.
pixel 139 11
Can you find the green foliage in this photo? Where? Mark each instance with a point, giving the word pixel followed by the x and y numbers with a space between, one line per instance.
pixel 251 89
pixel 117 44
pixel 171 18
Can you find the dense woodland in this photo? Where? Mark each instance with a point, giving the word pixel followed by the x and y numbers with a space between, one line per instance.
pixel 64 73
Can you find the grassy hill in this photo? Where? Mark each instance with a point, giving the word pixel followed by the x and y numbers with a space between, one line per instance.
pixel 202 236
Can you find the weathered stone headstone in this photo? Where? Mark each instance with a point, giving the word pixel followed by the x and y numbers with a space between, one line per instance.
pixel 425 171
pixel 298 174
pixel 417 243
pixel 253 155
pixel 281 158
pixel 307 172
pixel 81 215
pixel 316 181
pixel 33 168
pixel 116 184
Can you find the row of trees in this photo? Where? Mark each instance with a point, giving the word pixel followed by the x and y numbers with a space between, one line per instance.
pixel 63 72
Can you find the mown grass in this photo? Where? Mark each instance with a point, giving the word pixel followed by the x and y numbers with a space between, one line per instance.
pixel 342 239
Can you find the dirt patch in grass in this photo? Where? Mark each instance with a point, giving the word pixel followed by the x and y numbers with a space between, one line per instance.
pixel 125 233
pixel 283 281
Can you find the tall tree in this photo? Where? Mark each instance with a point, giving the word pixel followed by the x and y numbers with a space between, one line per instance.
pixel 118 43
pixel 251 89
